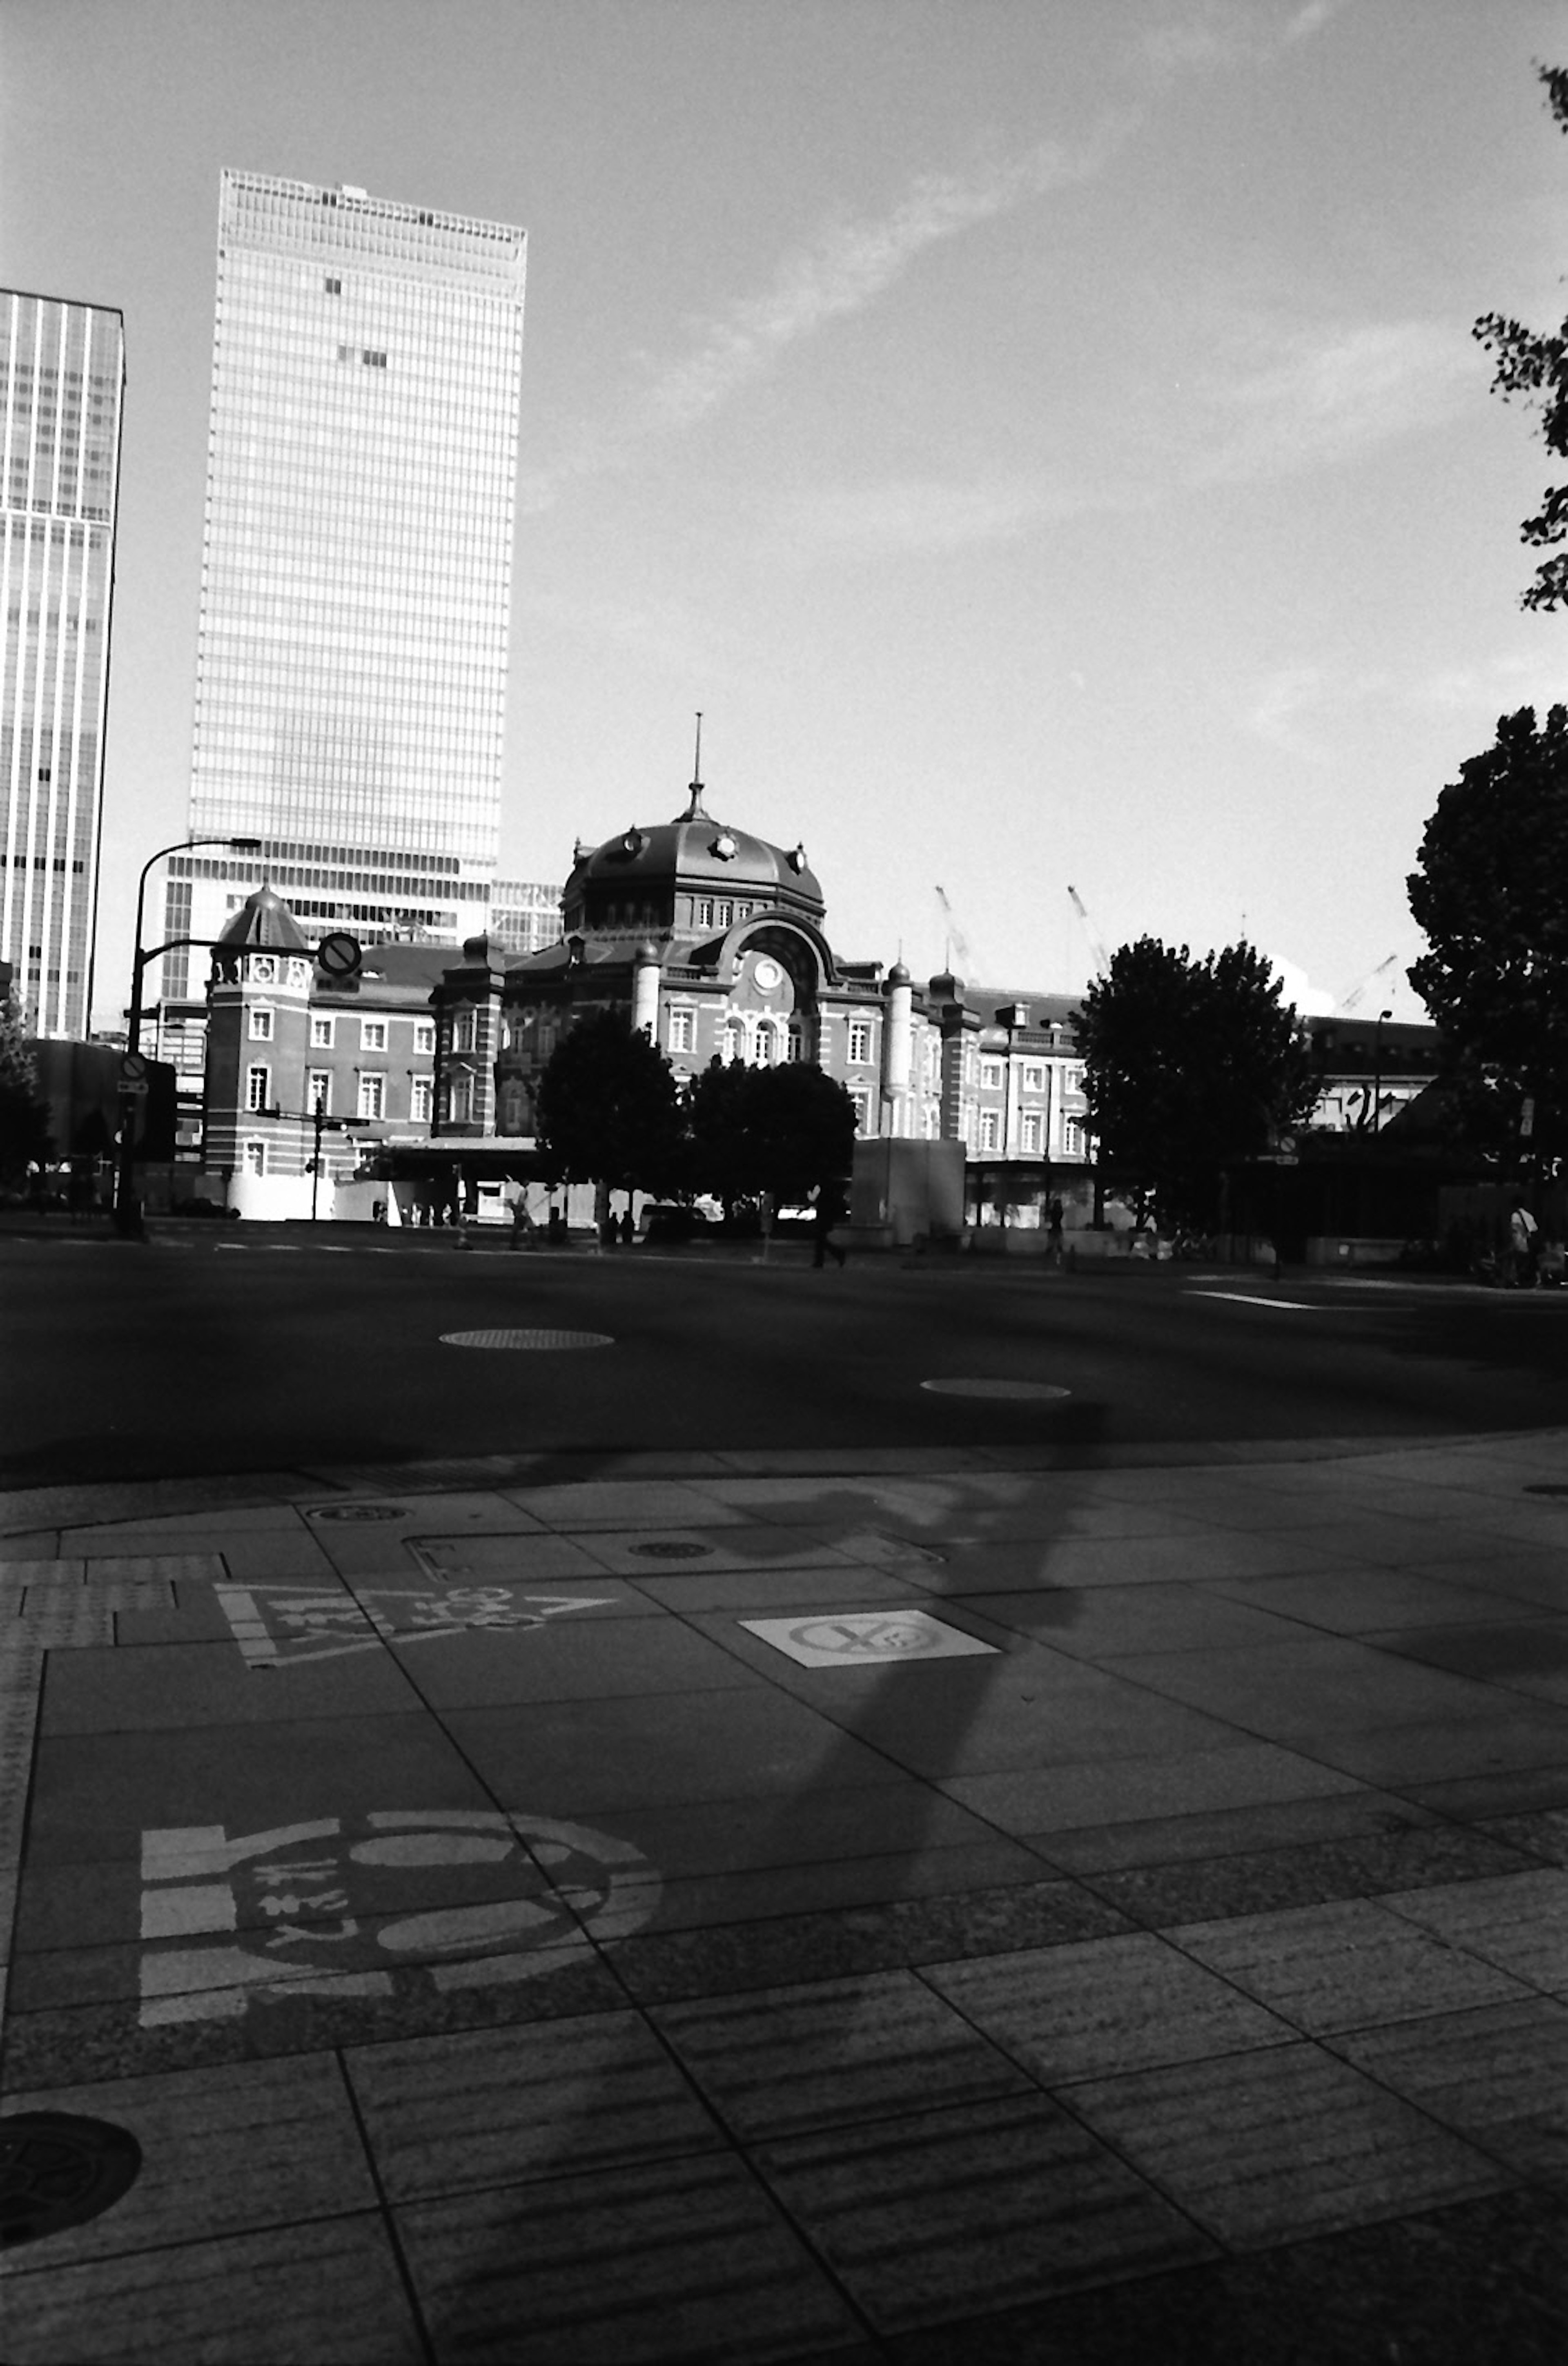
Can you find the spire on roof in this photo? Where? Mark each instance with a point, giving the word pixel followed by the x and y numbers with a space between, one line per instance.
pixel 696 810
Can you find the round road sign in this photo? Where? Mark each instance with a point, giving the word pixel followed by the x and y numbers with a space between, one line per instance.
pixel 339 954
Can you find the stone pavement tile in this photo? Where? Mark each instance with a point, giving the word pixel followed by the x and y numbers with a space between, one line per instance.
pixel 950 1719
pixel 674 2260
pixel 1525 1655
pixel 363 1536
pixel 1261 2148
pixel 1206 1557
pixel 1497 2076
pixel 1479 2279
pixel 1342 1965
pixel 702 1902
pixel 497 2106
pixel 778 2061
pixel 1311 1685
pixel 1216 1834
pixel 564 1661
pixel 1543 1834
pixel 28 1544
pixel 756 1592
pixel 634 1553
pixel 942 2212
pixel 196 1616
pixel 486 1557
pixel 1511 1576
pixel 330 2292
pixel 1434 1761
pixel 224 2151
pixel 1111 1619
pixel 1044 1800
pixel 626 1504
pixel 920 1506
pixel 1518 1922
pixel 589 1758
pixel 187 1532
pixel 57 2044
pixel 1372 1538
pixel 1510 1791
pixel 760 1836
pixel 94 1795
pixel 1108 2004
pixel 666 1968
pixel 1358 1601
pixel 1313 1873
pixel 181 1684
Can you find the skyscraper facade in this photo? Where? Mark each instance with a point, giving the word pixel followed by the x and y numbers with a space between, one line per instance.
pixel 357 569
pixel 62 393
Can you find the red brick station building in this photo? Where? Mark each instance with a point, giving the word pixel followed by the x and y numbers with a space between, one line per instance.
pixel 423 1068
pixel 425 1065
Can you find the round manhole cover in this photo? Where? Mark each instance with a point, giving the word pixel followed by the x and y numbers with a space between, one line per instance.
pixel 668 1549
pixel 526 1339
pixel 1038 1391
pixel 58 2170
pixel 358 1512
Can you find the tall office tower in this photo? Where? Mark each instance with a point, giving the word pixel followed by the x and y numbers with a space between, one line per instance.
pixel 62 390
pixel 357 571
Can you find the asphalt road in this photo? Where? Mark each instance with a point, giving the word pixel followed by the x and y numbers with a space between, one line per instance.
pixel 248 1353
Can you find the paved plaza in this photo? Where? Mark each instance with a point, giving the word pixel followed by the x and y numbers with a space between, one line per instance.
pixel 744 1906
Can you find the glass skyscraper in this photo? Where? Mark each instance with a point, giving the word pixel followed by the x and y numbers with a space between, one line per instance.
pixel 356 570
pixel 62 390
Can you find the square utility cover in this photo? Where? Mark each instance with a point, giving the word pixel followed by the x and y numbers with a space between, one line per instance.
pixel 843 1639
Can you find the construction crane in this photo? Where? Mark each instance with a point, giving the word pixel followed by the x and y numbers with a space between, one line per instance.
pixel 1102 958
pixel 1353 999
pixel 957 942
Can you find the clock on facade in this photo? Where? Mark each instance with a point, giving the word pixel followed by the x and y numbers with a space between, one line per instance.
pixel 767 973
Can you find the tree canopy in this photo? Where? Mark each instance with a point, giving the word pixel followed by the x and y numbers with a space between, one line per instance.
pixel 1189 1064
pixel 1487 895
pixel 781 1131
pixel 24 1118
pixel 1535 367
pixel 607 1110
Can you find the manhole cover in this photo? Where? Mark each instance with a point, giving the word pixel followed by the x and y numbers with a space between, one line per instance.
pixel 526 1339
pixel 666 1548
pixel 1037 1390
pixel 358 1512
pixel 58 2170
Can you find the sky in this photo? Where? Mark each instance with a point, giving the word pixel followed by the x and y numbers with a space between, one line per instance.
pixel 1043 437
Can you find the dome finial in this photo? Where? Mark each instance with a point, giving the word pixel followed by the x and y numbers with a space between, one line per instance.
pixel 696 810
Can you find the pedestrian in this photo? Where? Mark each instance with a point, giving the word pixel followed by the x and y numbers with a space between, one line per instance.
pixel 1522 1232
pixel 524 1228
pixel 828 1208
pixel 1053 1232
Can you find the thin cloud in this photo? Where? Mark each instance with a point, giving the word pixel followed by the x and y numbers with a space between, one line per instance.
pixel 1226 33
pixel 840 273
pixel 1331 395
pixel 908 516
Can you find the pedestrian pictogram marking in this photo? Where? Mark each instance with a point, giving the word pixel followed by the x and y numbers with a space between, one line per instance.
pixel 860 1637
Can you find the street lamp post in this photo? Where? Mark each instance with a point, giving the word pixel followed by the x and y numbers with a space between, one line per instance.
pixel 124 1175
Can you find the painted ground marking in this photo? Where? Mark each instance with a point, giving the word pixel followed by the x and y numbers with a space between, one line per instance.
pixel 860 1637
pixel 526 1339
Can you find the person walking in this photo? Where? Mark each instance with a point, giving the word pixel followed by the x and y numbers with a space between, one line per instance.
pixel 1053 1232
pixel 830 1208
pixel 1522 1231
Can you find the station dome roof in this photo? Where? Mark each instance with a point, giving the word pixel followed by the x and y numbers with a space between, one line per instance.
pixel 263 923
pixel 696 850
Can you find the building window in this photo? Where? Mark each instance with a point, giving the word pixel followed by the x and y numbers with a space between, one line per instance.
pixel 463 1031
pixel 990 1131
pixel 333 286
pixel 422 1100
pixel 423 1037
pixel 1033 1077
pixel 860 1042
pixel 990 1075
pixel 725 912
pixel 767 1045
pixel 1031 1128
pixel 861 1100
pixel 462 1103
pixel 255 1158
pixel 681 1029
pixel 1073 1080
pixel 263 970
pixel 735 1040
pixel 794 1044
pixel 320 1033
pixel 260 1026
pixel 1074 1144
pixel 372 1096
pixel 257 1080
pixel 704 911
pixel 372 1035
pixel 319 1089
